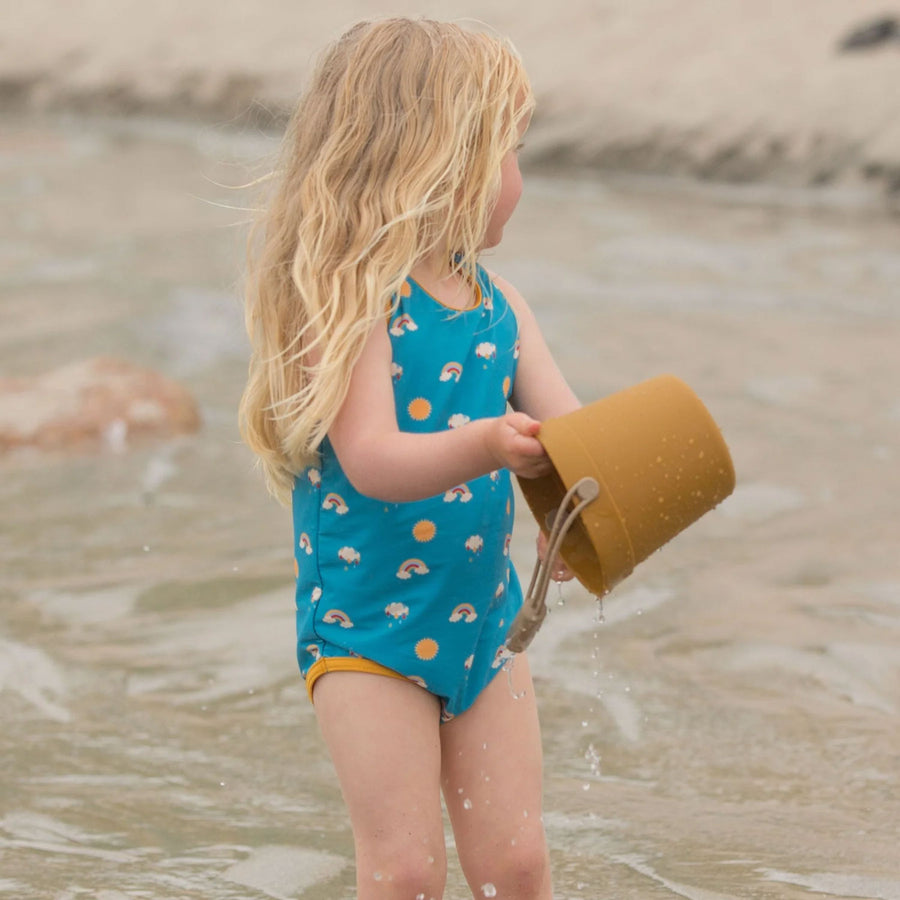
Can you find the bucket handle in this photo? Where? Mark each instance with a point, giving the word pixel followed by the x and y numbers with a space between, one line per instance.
pixel 534 609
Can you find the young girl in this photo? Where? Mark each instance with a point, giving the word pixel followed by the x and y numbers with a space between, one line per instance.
pixel 384 361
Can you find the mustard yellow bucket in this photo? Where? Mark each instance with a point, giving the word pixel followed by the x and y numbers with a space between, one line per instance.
pixel 630 471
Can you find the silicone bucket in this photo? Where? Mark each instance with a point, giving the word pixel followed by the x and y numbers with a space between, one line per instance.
pixel 659 463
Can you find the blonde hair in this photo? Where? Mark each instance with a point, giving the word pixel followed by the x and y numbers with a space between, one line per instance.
pixel 393 153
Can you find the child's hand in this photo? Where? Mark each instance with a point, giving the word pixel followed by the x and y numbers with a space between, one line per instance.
pixel 559 571
pixel 512 441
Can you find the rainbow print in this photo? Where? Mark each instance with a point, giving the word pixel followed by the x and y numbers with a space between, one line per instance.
pixel 451 370
pixel 335 502
pixel 403 323
pixel 412 567
pixel 305 544
pixel 465 612
pixel 461 492
pixel 337 617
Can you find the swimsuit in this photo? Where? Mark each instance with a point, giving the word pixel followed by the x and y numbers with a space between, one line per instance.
pixel 423 590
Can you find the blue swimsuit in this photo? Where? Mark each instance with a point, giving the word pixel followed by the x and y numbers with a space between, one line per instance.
pixel 422 590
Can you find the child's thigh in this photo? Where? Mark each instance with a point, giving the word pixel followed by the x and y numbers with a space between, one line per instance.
pixel 492 767
pixel 383 737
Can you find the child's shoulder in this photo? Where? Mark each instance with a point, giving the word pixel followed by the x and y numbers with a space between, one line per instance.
pixel 507 289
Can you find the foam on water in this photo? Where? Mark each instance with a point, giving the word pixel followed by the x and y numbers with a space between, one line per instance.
pixel 690 892
pixel 284 872
pixel 862 674
pixel 35 831
pixel 35 677
pixel 839 885
pixel 229 667
pixel 94 607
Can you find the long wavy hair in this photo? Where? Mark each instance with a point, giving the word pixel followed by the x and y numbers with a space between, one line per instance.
pixel 392 154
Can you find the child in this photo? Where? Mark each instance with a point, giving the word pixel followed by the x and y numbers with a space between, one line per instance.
pixel 384 357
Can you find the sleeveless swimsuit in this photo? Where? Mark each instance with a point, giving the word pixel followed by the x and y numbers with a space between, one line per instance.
pixel 423 590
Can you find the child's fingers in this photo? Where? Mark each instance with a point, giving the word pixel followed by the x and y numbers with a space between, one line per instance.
pixel 523 424
pixel 559 571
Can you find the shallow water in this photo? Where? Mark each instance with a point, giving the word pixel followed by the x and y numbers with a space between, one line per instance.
pixel 730 730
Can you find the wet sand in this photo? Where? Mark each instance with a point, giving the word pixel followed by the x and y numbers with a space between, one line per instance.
pixel 728 731
pixel 725 89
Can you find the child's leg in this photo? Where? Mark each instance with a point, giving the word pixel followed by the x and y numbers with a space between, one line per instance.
pixel 492 785
pixel 383 735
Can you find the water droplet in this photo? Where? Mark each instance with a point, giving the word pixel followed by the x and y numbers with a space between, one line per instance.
pixel 516 695
pixel 488 890
pixel 378 876
pixel 586 786
pixel 593 759
pixel 467 803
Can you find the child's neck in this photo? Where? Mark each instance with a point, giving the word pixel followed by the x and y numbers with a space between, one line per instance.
pixel 445 285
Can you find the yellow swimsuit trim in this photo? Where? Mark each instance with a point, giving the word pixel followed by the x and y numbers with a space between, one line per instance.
pixel 346 664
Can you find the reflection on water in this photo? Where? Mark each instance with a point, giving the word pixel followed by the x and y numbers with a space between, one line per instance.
pixel 729 729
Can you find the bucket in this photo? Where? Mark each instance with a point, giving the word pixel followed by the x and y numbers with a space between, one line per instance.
pixel 639 466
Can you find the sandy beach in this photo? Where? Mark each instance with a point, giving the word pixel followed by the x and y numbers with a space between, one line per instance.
pixel 729 89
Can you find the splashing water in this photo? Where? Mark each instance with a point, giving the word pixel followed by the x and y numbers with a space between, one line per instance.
pixel 508 667
pixel 593 758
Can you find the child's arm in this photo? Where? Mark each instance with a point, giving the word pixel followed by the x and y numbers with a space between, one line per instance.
pixel 383 462
pixel 540 390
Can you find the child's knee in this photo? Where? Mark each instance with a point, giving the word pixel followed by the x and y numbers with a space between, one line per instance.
pixel 520 870
pixel 403 873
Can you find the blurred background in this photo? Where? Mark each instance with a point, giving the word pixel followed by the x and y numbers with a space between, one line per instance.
pixel 711 190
